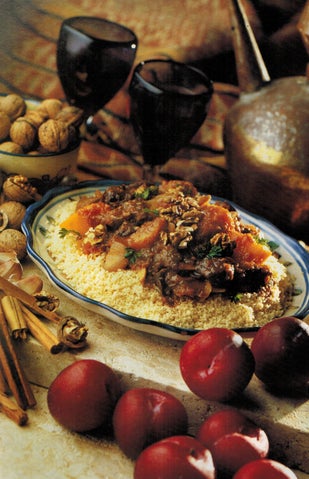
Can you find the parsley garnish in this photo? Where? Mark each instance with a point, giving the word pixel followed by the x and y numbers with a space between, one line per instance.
pixel 154 212
pixel 147 192
pixel 43 230
pixel 51 220
pixel 63 232
pixel 215 251
pixel 236 298
pixel 272 245
pixel 131 255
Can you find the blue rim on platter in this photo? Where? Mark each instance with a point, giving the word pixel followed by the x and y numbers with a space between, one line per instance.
pixel 36 221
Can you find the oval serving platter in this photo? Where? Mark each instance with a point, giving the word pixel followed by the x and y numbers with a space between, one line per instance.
pixel 37 219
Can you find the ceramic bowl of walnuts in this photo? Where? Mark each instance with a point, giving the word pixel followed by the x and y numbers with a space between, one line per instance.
pixel 38 140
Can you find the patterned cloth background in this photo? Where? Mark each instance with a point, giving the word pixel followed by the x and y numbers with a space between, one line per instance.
pixel 196 31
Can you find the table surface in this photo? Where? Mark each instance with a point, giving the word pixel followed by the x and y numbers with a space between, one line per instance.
pixel 43 449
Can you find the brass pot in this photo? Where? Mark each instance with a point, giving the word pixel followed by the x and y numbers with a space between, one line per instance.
pixel 266 139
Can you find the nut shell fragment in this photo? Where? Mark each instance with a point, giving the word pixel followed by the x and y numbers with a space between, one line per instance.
pixel 48 302
pixel 18 188
pixel 72 333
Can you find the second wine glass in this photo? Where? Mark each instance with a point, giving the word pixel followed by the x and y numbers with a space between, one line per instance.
pixel 94 59
pixel 169 103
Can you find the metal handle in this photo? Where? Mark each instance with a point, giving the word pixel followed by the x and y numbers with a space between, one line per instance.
pixel 251 70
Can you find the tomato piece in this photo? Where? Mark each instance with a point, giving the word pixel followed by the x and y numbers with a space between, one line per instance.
pixel 146 235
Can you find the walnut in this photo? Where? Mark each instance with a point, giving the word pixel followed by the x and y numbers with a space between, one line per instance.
pixel 5 125
pixel 50 107
pixel 23 132
pixel 35 117
pixel 54 135
pixel 13 240
pixel 18 188
pixel 11 147
pixel 4 221
pixel 14 212
pixel 13 105
pixel 71 115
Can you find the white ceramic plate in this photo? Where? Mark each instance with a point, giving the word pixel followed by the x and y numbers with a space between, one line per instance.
pixel 36 224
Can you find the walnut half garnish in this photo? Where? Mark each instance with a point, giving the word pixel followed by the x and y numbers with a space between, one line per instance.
pixel 185 214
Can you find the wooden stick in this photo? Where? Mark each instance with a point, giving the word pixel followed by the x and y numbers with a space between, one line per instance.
pixel 10 289
pixel 11 410
pixel 12 369
pixel 41 332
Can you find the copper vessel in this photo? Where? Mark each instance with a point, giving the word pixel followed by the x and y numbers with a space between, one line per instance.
pixel 266 134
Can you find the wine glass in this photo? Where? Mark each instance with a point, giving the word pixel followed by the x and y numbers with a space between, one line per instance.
pixel 94 59
pixel 169 102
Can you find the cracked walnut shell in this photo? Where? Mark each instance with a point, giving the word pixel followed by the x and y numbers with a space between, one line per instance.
pixel 18 188
pixel 54 135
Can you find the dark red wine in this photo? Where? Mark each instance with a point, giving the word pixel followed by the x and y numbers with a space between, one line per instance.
pixel 169 103
pixel 94 59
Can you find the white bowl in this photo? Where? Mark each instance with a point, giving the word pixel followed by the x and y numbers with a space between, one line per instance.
pixel 44 171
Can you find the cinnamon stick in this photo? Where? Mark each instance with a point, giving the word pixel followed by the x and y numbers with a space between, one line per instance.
pixel 41 332
pixel 14 316
pixel 11 410
pixel 3 384
pixel 12 290
pixel 12 369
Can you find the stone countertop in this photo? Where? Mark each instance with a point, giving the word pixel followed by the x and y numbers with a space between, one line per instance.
pixel 43 449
